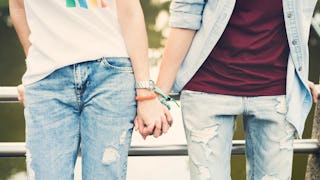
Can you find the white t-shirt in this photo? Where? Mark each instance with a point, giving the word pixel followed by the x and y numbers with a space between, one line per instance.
pixel 65 32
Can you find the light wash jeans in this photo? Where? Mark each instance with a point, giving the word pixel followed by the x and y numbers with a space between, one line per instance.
pixel 209 121
pixel 89 105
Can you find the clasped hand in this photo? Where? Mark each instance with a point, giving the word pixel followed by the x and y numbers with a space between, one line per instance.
pixel 153 118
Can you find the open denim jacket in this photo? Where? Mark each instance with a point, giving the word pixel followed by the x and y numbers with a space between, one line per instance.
pixel 210 17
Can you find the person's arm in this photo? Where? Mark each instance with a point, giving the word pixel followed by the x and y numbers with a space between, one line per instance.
pixel 185 20
pixel 18 17
pixel 177 46
pixel 152 117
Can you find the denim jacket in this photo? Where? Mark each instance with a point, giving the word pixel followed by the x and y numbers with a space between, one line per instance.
pixel 210 18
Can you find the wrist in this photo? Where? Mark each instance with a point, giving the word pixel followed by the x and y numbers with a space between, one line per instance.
pixel 144 92
pixel 149 86
pixel 145 87
pixel 146 97
pixel 146 84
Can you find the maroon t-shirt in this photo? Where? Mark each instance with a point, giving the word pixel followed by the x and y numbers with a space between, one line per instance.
pixel 250 59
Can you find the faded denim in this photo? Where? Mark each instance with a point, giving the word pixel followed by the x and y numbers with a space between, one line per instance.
pixel 89 105
pixel 210 18
pixel 209 121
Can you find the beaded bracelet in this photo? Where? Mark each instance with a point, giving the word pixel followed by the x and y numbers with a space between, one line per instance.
pixel 165 98
pixel 149 84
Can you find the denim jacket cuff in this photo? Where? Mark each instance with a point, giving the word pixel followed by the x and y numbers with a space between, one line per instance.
pixel 185 20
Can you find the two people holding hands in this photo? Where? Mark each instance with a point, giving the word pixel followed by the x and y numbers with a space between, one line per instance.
pixel 87 83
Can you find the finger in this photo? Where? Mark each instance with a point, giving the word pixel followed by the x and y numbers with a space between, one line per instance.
pixel 168 116
pixel 140 125
pixel 136 124
pixel 144 133
pixel 19 99
pixel 150 125
pixel 157 129
pixel 165 125
pixel 147 131
pixel 315 95
pixel 314 91
pixel 20 89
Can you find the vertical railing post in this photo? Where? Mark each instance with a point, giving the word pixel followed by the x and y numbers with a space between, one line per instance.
pixel 313 167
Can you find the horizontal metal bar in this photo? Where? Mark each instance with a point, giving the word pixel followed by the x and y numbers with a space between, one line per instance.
pixel 10 94
pixel 12 149
pixel 304 146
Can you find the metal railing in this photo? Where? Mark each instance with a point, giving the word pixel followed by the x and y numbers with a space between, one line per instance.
pixel 17 149
pixel 305 146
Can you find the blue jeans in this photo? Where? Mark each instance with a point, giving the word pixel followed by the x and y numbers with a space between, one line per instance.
pixel 89 105
pixel 209 121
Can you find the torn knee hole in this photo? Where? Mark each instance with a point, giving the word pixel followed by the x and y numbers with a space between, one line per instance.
pixel 110 155
pixel 205 135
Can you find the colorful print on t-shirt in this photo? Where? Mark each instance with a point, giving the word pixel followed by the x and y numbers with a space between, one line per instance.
pixel 86 3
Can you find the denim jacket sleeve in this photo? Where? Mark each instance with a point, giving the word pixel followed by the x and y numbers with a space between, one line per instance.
pixel 186 13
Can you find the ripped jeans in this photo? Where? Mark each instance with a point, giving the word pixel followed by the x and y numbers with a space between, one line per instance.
pixel 89 106
pixel 209 121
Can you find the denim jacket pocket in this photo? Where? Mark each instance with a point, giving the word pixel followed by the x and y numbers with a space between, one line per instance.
pixel 121 64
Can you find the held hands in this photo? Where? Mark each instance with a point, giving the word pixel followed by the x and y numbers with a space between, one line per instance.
pixel 153 118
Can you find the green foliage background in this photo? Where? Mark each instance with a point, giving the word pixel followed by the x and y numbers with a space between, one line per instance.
pixel 4 3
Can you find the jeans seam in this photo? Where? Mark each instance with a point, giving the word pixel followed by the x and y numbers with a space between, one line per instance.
pixel 252 155
pixel 76 89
